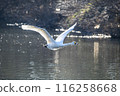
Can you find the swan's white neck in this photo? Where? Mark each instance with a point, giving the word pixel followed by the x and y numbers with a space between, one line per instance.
pixel 67 44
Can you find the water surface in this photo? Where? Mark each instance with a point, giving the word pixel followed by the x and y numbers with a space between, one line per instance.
pixel 22 56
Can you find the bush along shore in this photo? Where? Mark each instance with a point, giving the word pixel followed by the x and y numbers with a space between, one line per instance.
pixel 94 17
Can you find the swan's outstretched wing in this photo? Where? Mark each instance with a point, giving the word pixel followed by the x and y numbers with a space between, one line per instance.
pixel 41 31
pixel 62 36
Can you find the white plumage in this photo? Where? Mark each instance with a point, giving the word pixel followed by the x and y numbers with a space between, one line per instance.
pixel 51 43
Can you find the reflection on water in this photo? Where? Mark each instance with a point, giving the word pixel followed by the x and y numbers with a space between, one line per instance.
pixel 22 56
pixel 96 52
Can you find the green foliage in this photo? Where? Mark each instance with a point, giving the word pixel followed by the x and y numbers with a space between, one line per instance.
pixel 79 15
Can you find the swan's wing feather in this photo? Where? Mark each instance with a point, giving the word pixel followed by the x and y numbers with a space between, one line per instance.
pixel 62 36
pixel 41 31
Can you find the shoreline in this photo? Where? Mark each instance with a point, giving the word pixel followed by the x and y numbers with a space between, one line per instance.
pixel 99 36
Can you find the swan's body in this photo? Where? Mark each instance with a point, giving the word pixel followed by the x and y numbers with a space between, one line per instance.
pixel 51 43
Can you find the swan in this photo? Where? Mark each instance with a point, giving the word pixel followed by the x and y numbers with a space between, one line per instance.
pixel 51 43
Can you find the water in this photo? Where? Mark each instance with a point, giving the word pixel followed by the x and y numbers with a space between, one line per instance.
pixel 22 56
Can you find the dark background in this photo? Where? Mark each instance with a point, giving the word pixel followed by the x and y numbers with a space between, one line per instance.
pixel 53 14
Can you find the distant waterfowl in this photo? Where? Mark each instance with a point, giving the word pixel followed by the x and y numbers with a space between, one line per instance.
pixel 51 43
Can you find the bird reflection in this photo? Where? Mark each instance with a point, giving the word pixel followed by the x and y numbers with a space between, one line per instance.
pixel 56 61
pixel 56 58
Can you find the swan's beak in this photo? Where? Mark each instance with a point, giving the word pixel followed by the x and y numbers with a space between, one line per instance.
pixel 75 43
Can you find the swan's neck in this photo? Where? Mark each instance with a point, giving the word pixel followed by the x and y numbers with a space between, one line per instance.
pixel 67 44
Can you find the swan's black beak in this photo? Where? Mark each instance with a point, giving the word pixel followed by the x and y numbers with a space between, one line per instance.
pixel 75 43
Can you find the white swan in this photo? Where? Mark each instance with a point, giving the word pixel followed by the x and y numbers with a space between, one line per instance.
pixel 51 43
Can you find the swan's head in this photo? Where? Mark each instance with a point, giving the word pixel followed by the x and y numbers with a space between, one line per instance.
pixel 75 43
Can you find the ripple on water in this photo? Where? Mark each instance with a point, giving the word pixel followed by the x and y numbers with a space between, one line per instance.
pixel 32 63
pixel 30 42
